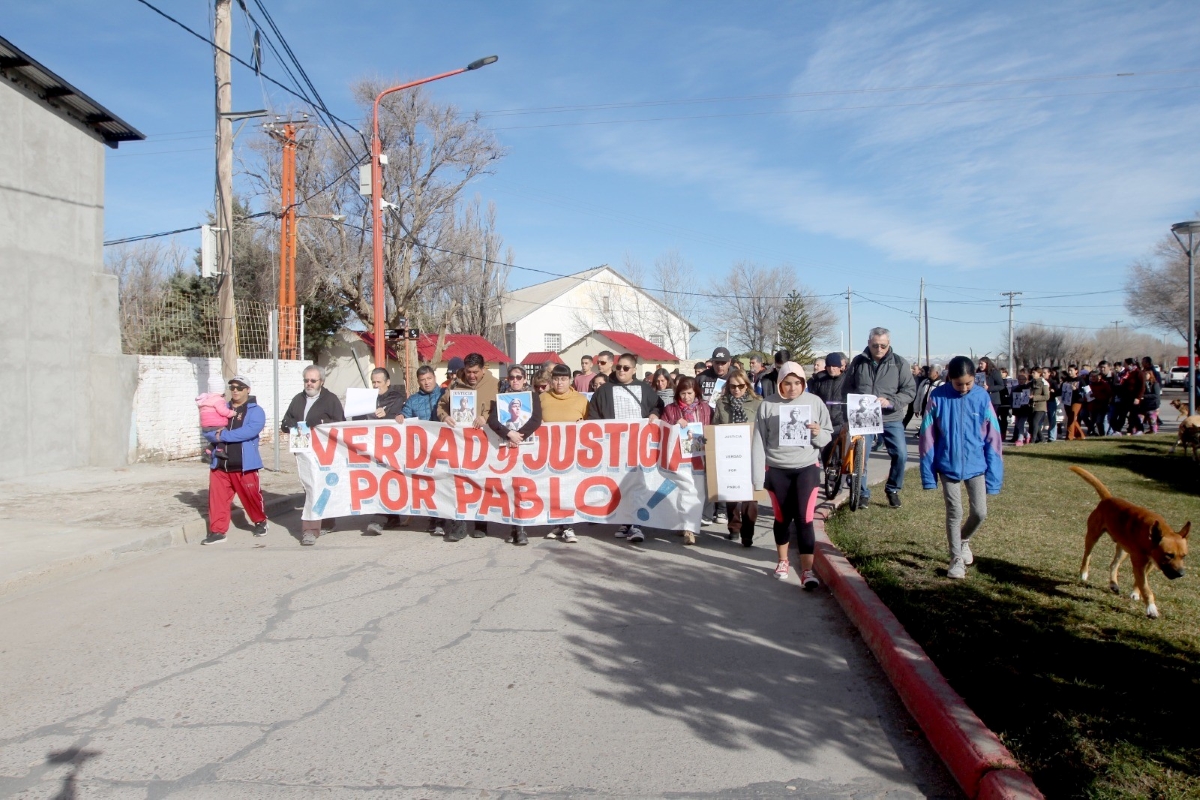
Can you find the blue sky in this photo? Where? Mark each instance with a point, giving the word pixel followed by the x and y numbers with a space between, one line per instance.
pixel 983 147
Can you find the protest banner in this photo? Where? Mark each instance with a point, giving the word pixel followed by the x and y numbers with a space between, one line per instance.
pixel 608 471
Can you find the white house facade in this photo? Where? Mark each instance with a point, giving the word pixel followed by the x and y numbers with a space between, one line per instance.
pixel 550 316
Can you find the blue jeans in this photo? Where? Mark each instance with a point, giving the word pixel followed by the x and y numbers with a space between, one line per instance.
pixel 1052 417
pixel 893 440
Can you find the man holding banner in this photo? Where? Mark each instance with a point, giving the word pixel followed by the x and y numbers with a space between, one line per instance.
pixel 474 376
pixel 625 397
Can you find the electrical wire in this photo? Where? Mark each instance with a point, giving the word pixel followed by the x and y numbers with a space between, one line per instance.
pixel 829 92
pixel 213 44
pixel 785 112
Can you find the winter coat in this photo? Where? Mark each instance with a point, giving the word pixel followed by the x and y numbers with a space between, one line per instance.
pixel 960 438
pixel 239 442
pixel 699 411
pixel 724 412
pixel 706 381
pixel 214 410
pixel 327 408
pixel 423 405
pixel 833 392
pixel 603 406
pixel 1039 394
pixel 890 377
pixel 485 395
pixel 392 402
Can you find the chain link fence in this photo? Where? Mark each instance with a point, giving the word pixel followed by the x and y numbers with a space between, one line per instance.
pixel 191 327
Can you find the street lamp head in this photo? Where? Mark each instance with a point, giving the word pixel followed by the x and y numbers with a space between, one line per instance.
pixel 482 62
pixel 1184 228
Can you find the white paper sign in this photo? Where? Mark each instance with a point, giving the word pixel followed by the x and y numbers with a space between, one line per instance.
pixel 360 401
pixel 864 413
pixel 731 464
pixel 793 426
pixel 718 387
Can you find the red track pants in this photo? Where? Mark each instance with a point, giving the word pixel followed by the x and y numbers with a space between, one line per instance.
pixel 222 486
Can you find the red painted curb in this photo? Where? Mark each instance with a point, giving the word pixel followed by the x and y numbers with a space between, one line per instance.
pixel 971 751
pixel 1006 784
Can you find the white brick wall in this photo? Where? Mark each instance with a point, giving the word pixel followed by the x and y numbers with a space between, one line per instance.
pixel 166 422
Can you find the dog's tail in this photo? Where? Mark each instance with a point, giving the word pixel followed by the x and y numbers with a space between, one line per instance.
pixel 1100 488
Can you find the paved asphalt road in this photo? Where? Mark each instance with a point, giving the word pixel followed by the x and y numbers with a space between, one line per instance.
pixel 402 666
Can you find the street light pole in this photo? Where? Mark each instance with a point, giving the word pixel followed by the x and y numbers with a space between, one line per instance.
pixel 1191 228
pixel 378 324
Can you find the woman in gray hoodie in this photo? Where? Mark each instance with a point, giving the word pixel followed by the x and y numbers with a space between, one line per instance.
pixel 791 473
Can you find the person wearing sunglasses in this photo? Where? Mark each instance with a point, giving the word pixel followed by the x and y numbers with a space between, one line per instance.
pixel 737 405
pixel 878 370
pixel 626 397
pixel 315 406
pixel 235 464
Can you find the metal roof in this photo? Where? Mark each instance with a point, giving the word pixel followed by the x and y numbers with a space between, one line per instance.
pixel 38 83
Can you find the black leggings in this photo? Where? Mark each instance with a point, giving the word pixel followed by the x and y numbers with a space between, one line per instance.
pixel 794 499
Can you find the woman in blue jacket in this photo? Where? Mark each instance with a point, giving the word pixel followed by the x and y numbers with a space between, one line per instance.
pixel 960 443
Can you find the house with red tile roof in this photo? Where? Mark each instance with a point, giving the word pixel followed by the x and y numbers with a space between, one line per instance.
pixel 649 355
pixel 553 315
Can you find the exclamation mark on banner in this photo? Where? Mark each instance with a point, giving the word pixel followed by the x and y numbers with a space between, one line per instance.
pixel 659 495
pixel 331 480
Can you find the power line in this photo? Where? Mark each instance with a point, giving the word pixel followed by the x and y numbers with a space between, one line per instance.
pixel 843 108
pixel 213 44
pixel 827 93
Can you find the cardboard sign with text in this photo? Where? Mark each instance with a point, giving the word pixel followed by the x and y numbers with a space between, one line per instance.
pixel 727 458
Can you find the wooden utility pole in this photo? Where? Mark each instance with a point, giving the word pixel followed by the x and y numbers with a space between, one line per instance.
pixel 222 30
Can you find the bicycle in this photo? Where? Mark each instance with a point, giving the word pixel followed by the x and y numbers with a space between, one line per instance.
pixel 846 462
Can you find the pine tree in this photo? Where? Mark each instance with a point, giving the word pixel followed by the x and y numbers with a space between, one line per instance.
pixel 795 329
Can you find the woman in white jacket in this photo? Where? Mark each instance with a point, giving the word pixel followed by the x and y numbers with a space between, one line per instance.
pixel 791 474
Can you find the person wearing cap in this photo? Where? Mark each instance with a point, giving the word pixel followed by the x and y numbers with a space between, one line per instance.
pixel 830 386
pixel 791 474
pixel 878 370
pixel 453 367
pixel 314 406
pixel 768 381
pixel 235 464
pixel 719 371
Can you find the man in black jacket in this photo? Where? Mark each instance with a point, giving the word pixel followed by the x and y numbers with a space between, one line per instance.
pixel 388 405
pixel 625 397
pixel 767 382
pixel 879 371
pixel 316 405
pixel 390 400
pixel 719 371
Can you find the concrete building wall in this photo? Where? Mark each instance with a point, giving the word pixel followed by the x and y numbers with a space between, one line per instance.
pixel 72 389
pixel 166 422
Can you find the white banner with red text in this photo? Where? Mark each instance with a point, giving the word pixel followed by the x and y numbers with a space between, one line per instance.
pixel 608 471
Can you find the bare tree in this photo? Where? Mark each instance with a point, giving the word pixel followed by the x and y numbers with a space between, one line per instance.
pixel 674 283
pixel 477 275
pixel 749 301
pixel 1156 288
pixel 433 152
pixel 143 268
pixel 1042 345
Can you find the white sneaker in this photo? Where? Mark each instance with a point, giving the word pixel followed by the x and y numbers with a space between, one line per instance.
pixel 706 520
pixel 622 531
pixel 958 569
pixel 635 534
pixel 568 536
pixel 967 557
pixel 720 518
pixel 808 580
pixel 781 570
pixel 553 534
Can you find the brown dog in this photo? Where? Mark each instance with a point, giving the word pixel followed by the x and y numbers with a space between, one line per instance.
pixel 1188 436
pixel 1137 532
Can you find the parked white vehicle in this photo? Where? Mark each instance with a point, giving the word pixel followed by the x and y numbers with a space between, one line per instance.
pixel 1178 376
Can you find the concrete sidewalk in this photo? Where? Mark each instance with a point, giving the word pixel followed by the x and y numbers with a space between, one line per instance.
pixel 62 524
